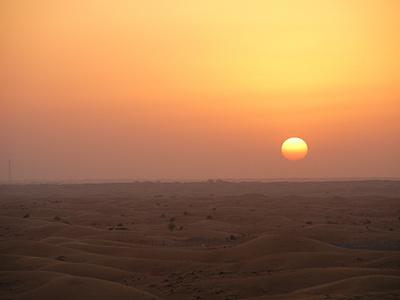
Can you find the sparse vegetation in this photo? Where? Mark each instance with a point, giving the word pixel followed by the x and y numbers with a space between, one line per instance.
pixel 119 226
pixel 366 222
pixel 171 226
pixel 219 239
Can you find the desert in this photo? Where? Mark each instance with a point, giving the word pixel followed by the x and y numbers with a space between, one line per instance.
pixel 201 240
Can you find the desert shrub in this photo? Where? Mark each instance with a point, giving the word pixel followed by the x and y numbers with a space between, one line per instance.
pixel 171 226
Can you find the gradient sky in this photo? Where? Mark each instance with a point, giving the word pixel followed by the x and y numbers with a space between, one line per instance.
pixel 198 89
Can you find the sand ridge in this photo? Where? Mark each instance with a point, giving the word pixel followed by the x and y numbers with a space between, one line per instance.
pixel 212 240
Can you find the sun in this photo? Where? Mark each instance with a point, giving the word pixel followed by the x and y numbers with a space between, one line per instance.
pixel 294 148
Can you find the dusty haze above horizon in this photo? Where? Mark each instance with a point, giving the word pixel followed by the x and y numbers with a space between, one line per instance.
pixel 111 90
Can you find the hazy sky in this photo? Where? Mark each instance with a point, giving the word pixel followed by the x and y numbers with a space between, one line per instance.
pixel 198 89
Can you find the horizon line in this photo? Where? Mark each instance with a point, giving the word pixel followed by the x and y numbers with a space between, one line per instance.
pixel 197 180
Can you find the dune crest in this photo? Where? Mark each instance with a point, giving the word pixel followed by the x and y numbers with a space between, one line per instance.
pixel 308 241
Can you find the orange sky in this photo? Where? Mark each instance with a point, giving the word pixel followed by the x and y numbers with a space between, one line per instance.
pixel 198 89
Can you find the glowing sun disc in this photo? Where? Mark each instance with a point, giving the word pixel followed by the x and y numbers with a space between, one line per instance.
pixel 294 148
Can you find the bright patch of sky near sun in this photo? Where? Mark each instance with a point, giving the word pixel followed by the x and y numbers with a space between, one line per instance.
pixel 198 89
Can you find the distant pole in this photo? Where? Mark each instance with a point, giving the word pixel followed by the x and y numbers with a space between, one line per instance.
pixel 9 171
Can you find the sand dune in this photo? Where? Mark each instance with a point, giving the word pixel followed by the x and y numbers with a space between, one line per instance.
pixel 73 287
pixel 227 241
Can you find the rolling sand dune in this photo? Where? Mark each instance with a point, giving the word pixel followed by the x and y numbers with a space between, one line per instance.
pixel 214 240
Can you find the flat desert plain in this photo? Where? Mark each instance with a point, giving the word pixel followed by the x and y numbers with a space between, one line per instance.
pixel 209 240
